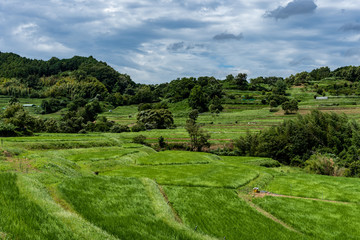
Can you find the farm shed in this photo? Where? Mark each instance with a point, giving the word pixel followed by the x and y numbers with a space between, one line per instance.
pixel 29 105
pixel 322 98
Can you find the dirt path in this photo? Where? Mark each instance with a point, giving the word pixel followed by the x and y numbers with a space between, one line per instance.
pixel 261 195
pixel 265 213
pixel 176 215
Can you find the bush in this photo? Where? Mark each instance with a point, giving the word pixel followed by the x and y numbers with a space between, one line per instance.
pixel 270 164
pixel 138 127
pixel 117 128
pixel 177 146
pixel 354 169
pixel 140 139
pixel 156 118
pixel 324 165
pixel 7 130
pixel 274 110
pixel 82 131
pixel 161 142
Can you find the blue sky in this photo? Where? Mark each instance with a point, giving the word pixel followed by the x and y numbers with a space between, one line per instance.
pixel 157 41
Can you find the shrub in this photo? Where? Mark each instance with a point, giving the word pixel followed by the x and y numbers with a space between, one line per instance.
pixel 138 127
pixel 324 165
pixel 140 139
pixel 117 128
pixel 354 169
pixel 161 142
pixel 270 164
pixel 7 130
pixel 177 146
pixel 156 118
pixel 82 131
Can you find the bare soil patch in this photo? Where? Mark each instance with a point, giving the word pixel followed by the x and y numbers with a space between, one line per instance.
pixel 347 111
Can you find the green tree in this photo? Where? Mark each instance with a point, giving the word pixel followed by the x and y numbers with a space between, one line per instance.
pixel 241 82
pixel 215 105
pixel 155 119
pixel 7 130
pixel 290 106
pixel 194 114
pixel 198 100
pixel 13 100
pixel 279 88
pixel 25 124
pixel 199 138
pixel 161 142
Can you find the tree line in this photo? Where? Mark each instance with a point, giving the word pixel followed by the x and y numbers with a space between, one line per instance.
pixel 322 142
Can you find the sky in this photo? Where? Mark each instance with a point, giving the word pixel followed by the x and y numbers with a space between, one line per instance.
pixel 157 41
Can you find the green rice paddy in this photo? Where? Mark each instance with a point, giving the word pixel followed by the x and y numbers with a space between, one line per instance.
pixel 103 186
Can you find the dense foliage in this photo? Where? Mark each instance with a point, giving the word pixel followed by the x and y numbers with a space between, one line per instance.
pixel 294 141
pixel 155 118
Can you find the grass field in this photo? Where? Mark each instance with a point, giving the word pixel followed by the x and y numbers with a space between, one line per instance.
pixel 103 186
pixel 320 220
pixel 143 194
pixel 222 214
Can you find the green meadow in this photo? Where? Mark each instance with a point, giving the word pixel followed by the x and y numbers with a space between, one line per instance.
pixel 138 193
pixel 104 186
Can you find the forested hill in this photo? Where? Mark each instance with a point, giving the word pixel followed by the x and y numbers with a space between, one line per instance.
pixel 32 73
pixel 86 77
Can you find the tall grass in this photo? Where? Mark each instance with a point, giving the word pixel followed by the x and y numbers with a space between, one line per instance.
pixel 21 218
pixel 321 220
pixel 317 186
pixel 222 214
pixel 177 157
pixel 120 206
pixel 206 175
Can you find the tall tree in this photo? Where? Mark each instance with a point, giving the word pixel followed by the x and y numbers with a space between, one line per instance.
pixel 199 138
pixel 241 82
pixel 198 99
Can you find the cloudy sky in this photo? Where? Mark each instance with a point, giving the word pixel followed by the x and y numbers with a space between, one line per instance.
pixel 157 41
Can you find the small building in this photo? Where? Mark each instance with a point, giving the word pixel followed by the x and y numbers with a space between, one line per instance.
pixel 322 98
pixel 29 105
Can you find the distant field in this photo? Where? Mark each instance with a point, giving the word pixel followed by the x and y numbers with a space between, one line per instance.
pixel 239 116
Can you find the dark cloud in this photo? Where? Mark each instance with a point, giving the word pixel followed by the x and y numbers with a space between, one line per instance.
pixel 227 36
pixel 177 23
pixel 295 7
pixel 351 27
pixel 301 61
pixel 182 47
pixel 176 46
pixel 352 52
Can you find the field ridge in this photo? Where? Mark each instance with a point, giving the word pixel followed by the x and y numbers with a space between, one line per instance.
pixel 266 214
pixel 166 198
pixel 261 195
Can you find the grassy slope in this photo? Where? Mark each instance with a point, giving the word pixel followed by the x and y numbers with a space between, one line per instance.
pixel 321 220
pixel 317 186
pixel 120 206
pixel 45 161
pixel 222 214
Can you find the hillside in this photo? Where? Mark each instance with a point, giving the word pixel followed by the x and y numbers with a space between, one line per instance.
pixel 101 186
pixel 86 153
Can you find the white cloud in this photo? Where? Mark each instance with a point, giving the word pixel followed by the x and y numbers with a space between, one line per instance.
pixel 29 37
pixel 160 40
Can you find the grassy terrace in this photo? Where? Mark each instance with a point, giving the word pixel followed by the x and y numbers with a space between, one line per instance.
pixel 50 180
pixel 142 194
